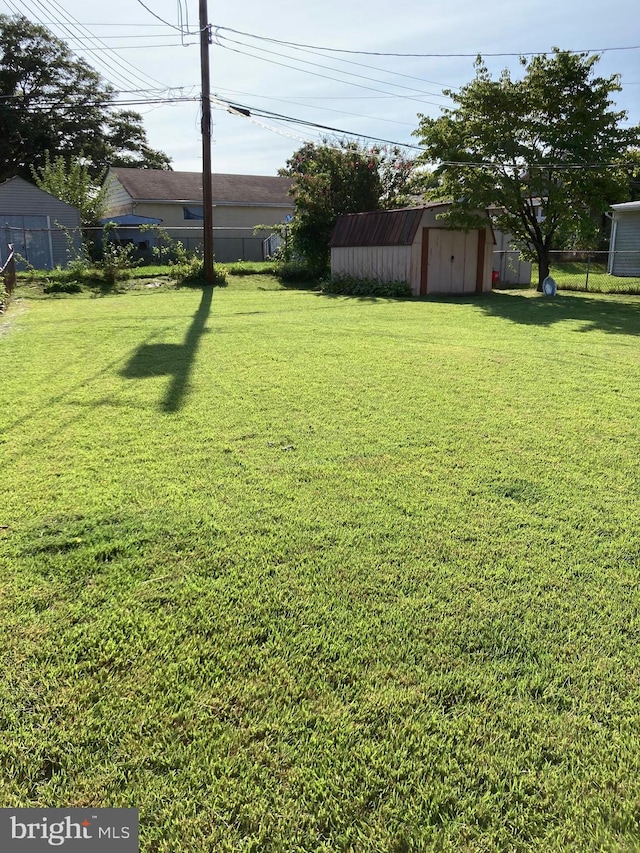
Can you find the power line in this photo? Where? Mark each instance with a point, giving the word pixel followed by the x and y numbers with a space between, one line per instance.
pixel 325 76
pixel 327 109
pixel 247 112
pixel 330 68
pixel 116 60
pixel 416 55
pixel 362 65
pixel 158 18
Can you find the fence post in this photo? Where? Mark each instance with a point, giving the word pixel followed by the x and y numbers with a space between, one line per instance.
pixel 586 282
pixel 8 274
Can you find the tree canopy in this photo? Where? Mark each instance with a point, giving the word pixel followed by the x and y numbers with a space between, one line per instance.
pixel 551 139
pixel 50 100
pixel 330 179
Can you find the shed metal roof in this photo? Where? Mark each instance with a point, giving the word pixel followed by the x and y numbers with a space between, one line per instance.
pixel 379 227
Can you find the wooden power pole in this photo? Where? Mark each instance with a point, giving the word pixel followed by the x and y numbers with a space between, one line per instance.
pixel 207 193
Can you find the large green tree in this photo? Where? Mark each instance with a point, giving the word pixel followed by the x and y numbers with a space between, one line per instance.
pixel 50 100
pixel 332 178
pixel 550 138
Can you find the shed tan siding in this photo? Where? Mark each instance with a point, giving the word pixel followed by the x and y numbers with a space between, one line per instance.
pixel 382 263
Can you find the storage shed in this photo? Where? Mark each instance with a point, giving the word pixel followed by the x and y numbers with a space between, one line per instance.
pixel 413 245
pixel 624 247
pixel 41 228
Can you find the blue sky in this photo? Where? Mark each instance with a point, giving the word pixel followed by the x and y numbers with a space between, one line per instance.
pixel 378 96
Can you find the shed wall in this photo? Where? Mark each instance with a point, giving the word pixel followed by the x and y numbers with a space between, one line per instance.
pixel 383 263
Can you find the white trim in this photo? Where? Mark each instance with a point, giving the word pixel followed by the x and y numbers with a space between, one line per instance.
pixel 626 206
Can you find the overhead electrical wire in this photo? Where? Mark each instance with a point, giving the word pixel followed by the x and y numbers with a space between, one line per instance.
pixel 257 114
pixel 247 112
pixel 358 64
pixel 158 18
pixel 326 77
pixel 220 39
pixel 326 109
pixel 128 67
pixel 99 60
pixel 416 55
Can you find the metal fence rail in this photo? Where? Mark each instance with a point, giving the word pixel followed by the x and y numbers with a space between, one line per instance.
pixel 34 246
pixel 599 272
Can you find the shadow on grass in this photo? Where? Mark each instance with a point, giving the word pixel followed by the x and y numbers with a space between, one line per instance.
pixel 363 297
pixel 611 314
pixel 175 360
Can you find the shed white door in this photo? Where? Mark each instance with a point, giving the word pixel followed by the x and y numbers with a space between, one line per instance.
pixel 452 259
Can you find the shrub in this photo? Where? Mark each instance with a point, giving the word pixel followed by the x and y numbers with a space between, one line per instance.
pixel 116 262
pixel 191 272
pixel 350 286
pixel 240 268
pixel 295 271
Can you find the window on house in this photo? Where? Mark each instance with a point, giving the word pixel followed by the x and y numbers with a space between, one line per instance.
pixel 193 212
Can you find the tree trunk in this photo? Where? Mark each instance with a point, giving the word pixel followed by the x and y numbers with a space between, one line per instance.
pixel 543 265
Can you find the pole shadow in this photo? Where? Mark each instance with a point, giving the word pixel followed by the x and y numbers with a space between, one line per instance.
pixel 175 360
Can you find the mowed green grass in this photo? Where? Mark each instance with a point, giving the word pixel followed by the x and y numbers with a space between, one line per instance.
pixel 290 572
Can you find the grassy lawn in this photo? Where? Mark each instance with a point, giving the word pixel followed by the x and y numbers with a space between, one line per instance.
pixel 291 572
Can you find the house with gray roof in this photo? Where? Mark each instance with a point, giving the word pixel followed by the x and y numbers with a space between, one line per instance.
pixel 173 200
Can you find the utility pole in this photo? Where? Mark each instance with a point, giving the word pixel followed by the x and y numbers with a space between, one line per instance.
pixel 207 194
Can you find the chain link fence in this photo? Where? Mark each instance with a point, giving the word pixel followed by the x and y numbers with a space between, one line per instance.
pixel 595 272
pixel 48 248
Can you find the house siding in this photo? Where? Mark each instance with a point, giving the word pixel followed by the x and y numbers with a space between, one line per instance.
pixel 20 198
pixel 508 262
pixel 625 252
pixel 118 202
